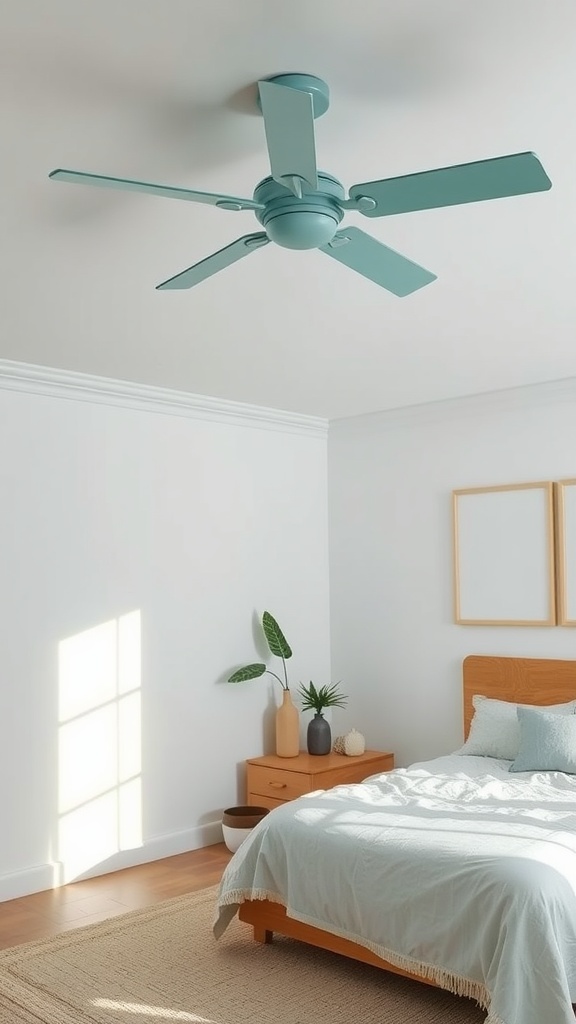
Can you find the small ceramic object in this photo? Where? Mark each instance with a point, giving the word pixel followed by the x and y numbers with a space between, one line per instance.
pixel 354 743
pixel 338 747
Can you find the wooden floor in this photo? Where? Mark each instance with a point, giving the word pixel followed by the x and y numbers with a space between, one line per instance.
pixel 58 910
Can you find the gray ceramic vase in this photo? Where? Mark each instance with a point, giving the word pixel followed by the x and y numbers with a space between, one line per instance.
pixel 319 735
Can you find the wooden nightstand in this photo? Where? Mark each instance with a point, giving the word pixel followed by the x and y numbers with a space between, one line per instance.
pixel 272 780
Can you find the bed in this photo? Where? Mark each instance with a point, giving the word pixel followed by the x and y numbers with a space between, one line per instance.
pixel 457 872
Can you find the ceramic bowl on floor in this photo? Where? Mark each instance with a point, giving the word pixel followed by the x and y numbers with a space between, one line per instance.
pixel 238 822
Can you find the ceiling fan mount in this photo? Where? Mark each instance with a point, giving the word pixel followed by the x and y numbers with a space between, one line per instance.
pixel 317 89
pixel 300 207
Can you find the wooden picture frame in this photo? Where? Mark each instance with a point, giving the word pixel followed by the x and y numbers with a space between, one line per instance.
pixel 566 551
pixel 504 555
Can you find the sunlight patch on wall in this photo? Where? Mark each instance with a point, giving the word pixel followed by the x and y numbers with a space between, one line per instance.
pixel 99 745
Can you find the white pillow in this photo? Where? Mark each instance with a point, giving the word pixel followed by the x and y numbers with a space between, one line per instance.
pixel 495 731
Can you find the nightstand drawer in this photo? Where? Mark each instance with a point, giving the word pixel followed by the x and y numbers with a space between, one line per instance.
pixel 276 783
pixel 263 800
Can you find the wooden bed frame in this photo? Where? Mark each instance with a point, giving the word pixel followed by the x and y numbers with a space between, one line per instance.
pixel 523 680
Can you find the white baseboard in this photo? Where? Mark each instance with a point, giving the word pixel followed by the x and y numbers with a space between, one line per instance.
pixel 45 876
pixel 23 883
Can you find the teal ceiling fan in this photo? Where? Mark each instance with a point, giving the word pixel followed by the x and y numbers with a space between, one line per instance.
pixel 300 207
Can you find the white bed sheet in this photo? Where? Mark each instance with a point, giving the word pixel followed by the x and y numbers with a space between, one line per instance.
pixel 452 868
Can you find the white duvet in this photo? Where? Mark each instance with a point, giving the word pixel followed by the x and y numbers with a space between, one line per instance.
pixel 452 868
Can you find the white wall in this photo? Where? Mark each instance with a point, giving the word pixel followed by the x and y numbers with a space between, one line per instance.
pixel 394 641
pixel 195 519
pixel 114 513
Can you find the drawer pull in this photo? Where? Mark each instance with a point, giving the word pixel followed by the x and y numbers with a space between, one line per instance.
pixel 277 785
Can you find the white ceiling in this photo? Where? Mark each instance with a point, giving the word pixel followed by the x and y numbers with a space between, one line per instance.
pixel 163 90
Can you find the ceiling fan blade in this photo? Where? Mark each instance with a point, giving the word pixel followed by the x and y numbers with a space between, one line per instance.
pixel 217 261
pixel 359 251
pixel 104 181
pixel 450 186
pixel 289 124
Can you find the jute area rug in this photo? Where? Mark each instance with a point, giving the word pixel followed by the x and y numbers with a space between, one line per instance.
pixel 163 964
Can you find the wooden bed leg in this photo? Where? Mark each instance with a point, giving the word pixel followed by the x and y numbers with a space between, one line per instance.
pixel 262 934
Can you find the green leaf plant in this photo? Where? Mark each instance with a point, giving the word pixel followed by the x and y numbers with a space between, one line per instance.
pixel 277 645
pixel 325 697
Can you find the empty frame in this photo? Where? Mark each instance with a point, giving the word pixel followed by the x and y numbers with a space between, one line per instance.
pixel 504 555
pixel 566 525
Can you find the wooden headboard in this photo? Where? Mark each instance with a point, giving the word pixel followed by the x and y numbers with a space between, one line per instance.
pixel 523 680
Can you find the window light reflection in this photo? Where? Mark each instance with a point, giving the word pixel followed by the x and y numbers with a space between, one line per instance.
pixel 99 745
pixel 151 1011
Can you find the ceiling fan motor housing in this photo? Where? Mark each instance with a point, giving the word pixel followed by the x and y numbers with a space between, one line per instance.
pixel 308 222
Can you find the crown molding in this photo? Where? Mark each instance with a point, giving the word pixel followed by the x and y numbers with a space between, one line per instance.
pixel 85 387
pixel 487 403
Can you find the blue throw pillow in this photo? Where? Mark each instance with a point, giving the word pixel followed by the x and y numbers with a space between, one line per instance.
pixel 547 742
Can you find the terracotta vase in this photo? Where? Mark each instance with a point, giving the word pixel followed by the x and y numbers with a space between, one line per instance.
pixel 287 727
